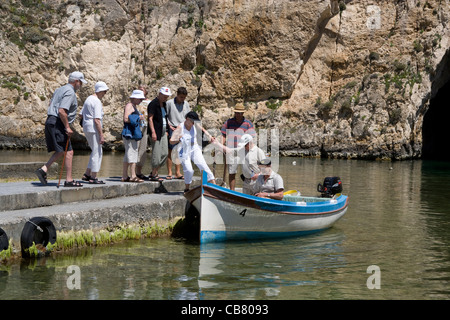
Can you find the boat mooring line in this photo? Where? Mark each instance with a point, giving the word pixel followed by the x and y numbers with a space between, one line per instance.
pixel 37 227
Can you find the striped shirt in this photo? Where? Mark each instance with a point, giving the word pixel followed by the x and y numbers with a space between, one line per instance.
pixel 234 130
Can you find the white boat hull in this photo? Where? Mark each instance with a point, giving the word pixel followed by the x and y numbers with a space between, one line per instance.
pixel 229 215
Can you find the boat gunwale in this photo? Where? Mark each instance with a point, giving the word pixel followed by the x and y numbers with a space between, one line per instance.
pixel 216 192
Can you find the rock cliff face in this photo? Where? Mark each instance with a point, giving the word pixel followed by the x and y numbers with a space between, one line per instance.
pixel 344 79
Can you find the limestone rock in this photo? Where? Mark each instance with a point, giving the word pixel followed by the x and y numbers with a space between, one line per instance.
pixel 336 78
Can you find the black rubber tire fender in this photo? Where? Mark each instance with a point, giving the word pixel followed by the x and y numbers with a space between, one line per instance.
pixel 4 241
pixel 39 230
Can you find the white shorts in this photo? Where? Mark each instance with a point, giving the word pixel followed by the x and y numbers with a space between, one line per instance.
pixel 131 150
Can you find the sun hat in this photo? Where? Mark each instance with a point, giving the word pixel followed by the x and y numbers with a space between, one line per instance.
pixel 246 138
pixel 264 162
pixel 77 75
pixel 239 107
pixel 137 94
pixel 192 115
pixel 101 86
pixel 165 91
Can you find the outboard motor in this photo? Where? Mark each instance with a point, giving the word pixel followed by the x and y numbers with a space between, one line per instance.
pixel 330 187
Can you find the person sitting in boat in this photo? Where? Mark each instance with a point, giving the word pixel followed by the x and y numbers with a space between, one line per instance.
pixel 269 184
pixel 188 150
pixel 250 168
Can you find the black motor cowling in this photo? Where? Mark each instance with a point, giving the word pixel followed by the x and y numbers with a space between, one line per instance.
pixel 330 187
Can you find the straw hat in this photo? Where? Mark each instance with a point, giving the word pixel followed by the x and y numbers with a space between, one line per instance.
pixel 239 107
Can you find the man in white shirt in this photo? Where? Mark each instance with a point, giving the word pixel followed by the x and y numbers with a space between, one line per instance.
pixel 250 169
pixel 92 114
pixel 268 184
pixel 177 109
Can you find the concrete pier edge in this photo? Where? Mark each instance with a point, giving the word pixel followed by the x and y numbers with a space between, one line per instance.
pixel 92 207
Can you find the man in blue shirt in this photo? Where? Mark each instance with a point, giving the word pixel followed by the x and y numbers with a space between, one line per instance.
pixel 61 113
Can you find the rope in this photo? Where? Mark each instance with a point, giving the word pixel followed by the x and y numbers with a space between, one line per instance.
pixel 37 227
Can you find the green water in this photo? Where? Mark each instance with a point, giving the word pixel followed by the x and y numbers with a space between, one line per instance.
pixel 398 220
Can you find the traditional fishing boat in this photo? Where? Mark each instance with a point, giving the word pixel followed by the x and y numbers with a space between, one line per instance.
pixel 230 215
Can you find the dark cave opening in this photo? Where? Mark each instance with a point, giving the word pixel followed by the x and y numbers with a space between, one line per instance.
pixel 436 127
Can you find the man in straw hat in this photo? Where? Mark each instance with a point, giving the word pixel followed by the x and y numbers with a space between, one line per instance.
pixel 232 131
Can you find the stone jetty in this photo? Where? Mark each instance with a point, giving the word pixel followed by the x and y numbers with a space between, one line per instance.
pixel 91 207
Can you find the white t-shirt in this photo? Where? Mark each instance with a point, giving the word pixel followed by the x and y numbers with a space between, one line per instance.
pixel 250 165
pixel 188 140
pixel 92 109
pixel 273 183
pixel 176 112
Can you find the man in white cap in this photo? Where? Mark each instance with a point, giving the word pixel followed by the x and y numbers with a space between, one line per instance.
pixel 250 169
pixel 62 111
pixel 92 113
pixel 158 130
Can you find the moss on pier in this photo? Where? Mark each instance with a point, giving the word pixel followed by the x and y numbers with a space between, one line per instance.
pixel 72 240
pixel 67 240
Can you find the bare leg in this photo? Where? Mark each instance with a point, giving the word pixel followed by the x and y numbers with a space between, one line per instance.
pixel 133 170
pixel 169 164
pixel 178 170
pixel 55 157
pixel 125 171
pixel 232 180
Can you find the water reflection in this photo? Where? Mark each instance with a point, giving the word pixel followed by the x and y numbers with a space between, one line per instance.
pixel 398 219
pixel 265 269
pixel 435 209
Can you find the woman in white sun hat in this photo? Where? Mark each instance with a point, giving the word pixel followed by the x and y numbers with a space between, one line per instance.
pixel 92 115
pixel 131 135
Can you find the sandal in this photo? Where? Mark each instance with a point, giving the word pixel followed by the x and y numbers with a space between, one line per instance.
pixel 156 178
pixel 72 183
pixel 95 181
pixel 127 179
pixel 168 177
pixel 180 177
pixel 136 180
pixel 141 176
pixel 42 175
pixel 86 177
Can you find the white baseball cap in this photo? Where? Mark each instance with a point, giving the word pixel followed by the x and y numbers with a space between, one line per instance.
pixel 101 86
pixel 77 75
pixel 137 94
pixel 165 91
pixel 246 138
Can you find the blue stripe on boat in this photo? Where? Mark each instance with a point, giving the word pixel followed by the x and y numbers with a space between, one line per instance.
pixel 218 236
